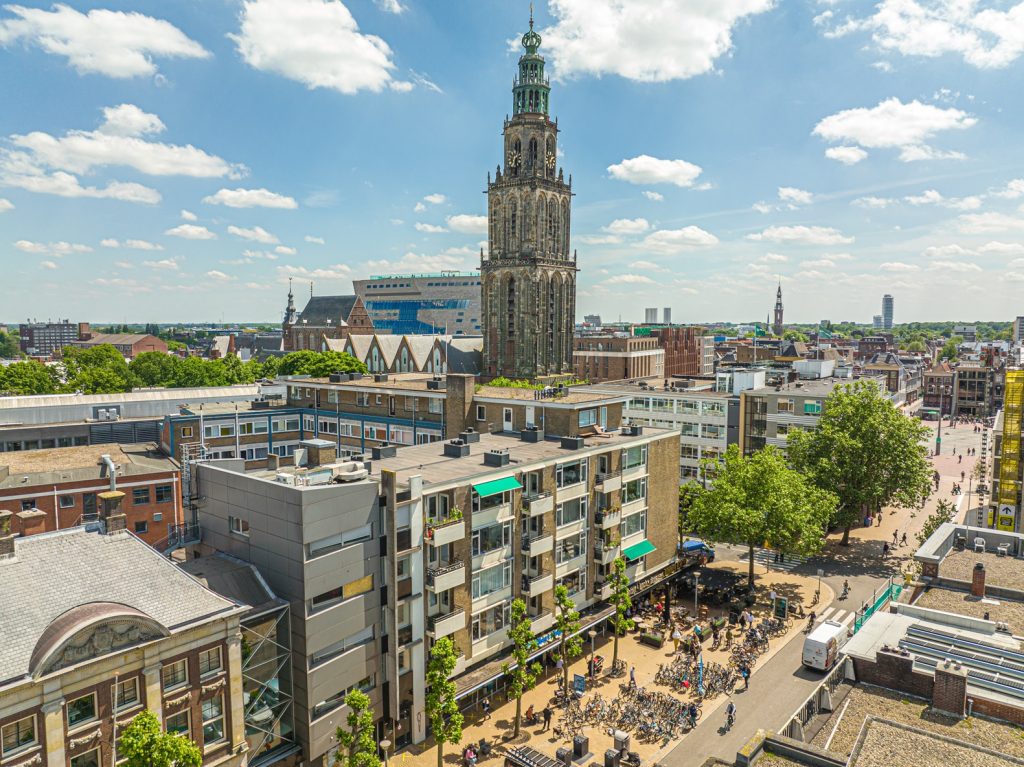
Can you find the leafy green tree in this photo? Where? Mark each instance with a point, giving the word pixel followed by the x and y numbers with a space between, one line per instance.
pixel 269 367
pixel 944 512
pixel 951 349
pixel 194 371
pixel 865 451
pixel 441 705
pixel 524 676
pixel 10 348
pixel 567 621
pixel 759 500
pixel 688 493
pixel 96 370
pixel 795 335
pixel 155 368
pixel 99 381
pixel 144 744
pixel 621 601
pixel 917 347
pixel 28 377
pixel 357 746
pixel 319 364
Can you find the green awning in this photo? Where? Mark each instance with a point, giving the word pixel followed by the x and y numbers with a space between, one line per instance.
pixel 638 550
pixel 496 486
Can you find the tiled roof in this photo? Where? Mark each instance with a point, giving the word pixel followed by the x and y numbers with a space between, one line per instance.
pixel 53 573
pixel 327 310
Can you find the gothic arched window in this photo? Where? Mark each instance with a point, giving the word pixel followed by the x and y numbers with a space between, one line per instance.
pixel 517 150
pixel 532 156
pixel 513 221
pixel 511 293
pixel 541 227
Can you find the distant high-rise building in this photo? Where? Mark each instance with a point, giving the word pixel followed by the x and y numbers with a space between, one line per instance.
pixel 651 315
pixel 407 304
pixel 876 322
pixel 778 327
pixel 1018 330
pixel 42 339
pixel 887 307
pixel 594 320
pixel 666 315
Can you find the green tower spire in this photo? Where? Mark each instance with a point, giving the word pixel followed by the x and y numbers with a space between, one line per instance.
pixel 531 90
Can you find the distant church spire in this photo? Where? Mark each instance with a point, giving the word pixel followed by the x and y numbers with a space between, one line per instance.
pixel 289 311
pixel 778 327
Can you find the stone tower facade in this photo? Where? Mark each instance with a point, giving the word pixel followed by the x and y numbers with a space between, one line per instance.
pixel 528 273
pixel 778 327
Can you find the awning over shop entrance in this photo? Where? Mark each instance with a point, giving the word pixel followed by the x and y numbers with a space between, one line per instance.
pixel 496 486
pixel 638 550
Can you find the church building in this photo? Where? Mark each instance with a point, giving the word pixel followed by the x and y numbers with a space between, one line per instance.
pixel 323 317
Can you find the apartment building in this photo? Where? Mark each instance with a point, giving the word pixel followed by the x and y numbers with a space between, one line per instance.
pixel 44 339
pixel 378 559
pixel 977 390
pixel 688 352
pixel 47 490
pixel 615 358
pixel 938 384
pixel 98 627
pixel 767 415
pixel 128 345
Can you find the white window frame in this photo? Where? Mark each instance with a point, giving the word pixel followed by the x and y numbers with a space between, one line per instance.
pixel 212 652
pixel 182 663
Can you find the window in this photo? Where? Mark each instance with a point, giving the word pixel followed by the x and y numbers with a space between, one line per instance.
pixel 491 501
pixel 213 720
pixel 140 495
pixel 178 724
pixel 402 567
pixel 18 735
pixel 492 537
pixel 634 456
pixel 689 451
pixel 712 431
pixel 575 581
pixel 492 579
pixel 67 501
pixel 490 621
pixel 347 591
pixel 571 511
pixel 164 493
pixel 335 649
pixel 174 674
pixel 571 547
pixel 435 406
pixel 127 693
pixel 209 661
pixel 238 526
pixel 375 431
pixel 141 528
pixel 291 423
pixel 812 408
pixel 338 699
pixel 252 427
pixel 437 506
pixel 567 474
pixel 328 426
pixel 689 429
pixel 308 423
pixel 88 759
pixel 634 490
pixel 219 430
pixel 82 710
pixel 481 413
pixel 785 406
pixel 345 538
pixel 362 399
pixel 28 504
pixel 186 432
pixel 401 435
pixel 588 417
pixel 634 523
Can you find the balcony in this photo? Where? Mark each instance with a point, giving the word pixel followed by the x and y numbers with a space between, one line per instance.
pixel 446 531
pixel 540 503
pixel 608 482
pixel 447 577
pixel 608 518
pixel 539 543
pixel 444 625
pixel 535 585
pixel 605 553
pixel 602 590
pixel 634 472
pixel 634 506
pixel 542 621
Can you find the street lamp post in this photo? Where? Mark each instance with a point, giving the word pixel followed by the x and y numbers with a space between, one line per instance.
pixel 938 432
pixel 384 746
pixel 696 589
pixel 593 666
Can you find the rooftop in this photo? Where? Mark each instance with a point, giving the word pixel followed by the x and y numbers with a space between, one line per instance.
pixel 70 464
pixel 95 569
pixel 1009 611
pixel 401 381
pixel 656 386
pixel 232 578
pixel 815 386
pixel 1006 572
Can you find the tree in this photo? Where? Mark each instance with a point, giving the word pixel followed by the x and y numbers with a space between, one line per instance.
pixel 524 674
pixel 688 493
pixel 760 500
pixel 357 746
pixel 951 349
pixel 567 622
pixel 620 600
pixel 96 370
pixel 916 347
pixel 9 346
pixel 441 705
pixel 795 335
pixel 155 368
pixel 28 377
pixel 944 512
pixel 865 451
pixel 319 364
pixel 144 744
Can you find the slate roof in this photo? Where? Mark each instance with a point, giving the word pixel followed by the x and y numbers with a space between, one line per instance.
pixel 327 310
pixel 234 579
pixel 53 573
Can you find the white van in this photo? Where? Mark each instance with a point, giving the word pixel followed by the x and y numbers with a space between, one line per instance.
pixel 822 645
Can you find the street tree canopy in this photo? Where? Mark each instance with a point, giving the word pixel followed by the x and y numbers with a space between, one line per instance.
pixel 865 451
pixel 143 743
pixel 758 500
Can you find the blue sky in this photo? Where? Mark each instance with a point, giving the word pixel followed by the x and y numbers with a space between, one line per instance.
pixel 179 161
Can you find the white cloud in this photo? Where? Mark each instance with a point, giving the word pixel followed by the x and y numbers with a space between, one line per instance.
pixel 448 260
pixel 218 276
pixel 314 240
pixel 983 223
pixel 466 223
pixel 818 263
pixel 874 202
pixel 191 232
pixel 170 264
pixel 645 40
pixel 47 265
pixel 423 81
pixel 627 226
pixel 18 170
pixel 435 199
pixel 807 235
pixel 954 266
pixel 316 43
pixel 847 155
pixel 389 6
pixel 256 234
pixel 110 243
pixel 5 205
pixel 250 198
pixel 946 251
pixel 419 207
pixel 898 266
pixel 630 279
pixel 1002 248
pixel 647 265
pixel 111 43
pixel 893 125
pixel 132 244
pixel 645 169
pixel 933 197
pixel 984 38
pixel 1012 190
pixel 599 239
pixel 882 66
pixel 52 248
pixel 28 246
pixel 773 258
pixel 284 250
pixel 794 195
pixel 763 207
pixel 129 120
pixel 676 240
pixel 653 196
pixel 396 221
pixel 187 215
pixel 124 265
pixel 429 228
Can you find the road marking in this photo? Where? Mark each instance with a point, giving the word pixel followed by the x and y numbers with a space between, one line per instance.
pixel 766 557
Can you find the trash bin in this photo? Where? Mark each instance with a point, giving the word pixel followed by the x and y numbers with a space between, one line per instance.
pixel 564 756
pixel 580 746
pixel 621 740
pixel 612 758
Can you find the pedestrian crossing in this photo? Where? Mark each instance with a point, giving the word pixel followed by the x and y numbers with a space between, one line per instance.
pixel 767 558
pixel 837 614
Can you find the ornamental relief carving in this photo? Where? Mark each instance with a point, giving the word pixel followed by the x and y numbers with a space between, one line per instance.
pixel 99 641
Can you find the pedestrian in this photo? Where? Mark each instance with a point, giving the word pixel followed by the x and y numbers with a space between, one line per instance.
pixel 486 706
pixel 961 476
pixel 960 458
pixel 878 520
pixel 885 550
pixel 746 677
pixel 676 637
pixel 895 534
pixel 632 676
pixel 547 716
pixel 903 540
pixel 954 451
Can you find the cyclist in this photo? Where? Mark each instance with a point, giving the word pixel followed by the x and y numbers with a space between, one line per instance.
pixel 730 715
pixel 846 588
pixel 810 621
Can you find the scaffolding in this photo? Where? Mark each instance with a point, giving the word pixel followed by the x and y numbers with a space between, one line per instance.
pixel 1009 456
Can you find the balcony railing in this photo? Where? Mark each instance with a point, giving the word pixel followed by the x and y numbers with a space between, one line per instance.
pixel 601 477
pixel 529 580
pixel 434 620
pixel 528 540
pixel 433 573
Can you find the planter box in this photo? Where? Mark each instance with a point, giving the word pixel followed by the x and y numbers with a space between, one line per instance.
pixel 654 640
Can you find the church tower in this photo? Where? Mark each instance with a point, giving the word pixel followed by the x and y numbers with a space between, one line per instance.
pixel 528 272
pixel 778 327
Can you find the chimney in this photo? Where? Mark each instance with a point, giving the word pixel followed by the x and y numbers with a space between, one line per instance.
pixel 6 546
pixel 32 521
pixel 319 452
pixel 110 503
pixel 5 522
pixel 978 581
pixel 273 461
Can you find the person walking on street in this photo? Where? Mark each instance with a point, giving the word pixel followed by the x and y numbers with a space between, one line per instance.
pixel 895 535
pixel 676 637
pixel 547 716
pixel 632 676
pixel 885 550
pixel 903 540
pixel 486 705
pixel 745 673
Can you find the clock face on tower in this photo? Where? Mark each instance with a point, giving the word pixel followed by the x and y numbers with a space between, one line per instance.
pixel 513 159
pixel 551 161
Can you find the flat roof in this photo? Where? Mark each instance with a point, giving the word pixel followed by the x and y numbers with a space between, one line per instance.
pixel 882 743
pixel 656 387
pixel 69 464
pixel 805 386
pixel 400 381
pixel 1006 572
